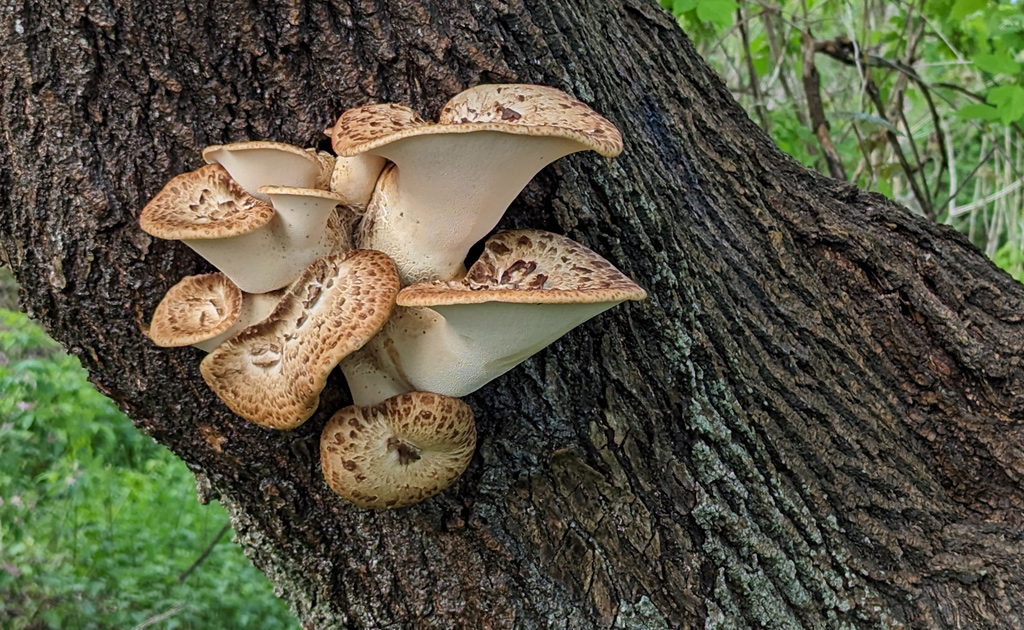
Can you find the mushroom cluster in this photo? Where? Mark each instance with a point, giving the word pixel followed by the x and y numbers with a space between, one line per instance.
pixel 359 260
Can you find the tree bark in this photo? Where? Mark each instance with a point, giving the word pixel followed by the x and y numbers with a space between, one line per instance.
pixel 815 420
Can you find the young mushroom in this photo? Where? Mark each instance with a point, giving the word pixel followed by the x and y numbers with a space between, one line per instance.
pixel 263 163
pixel 260 246
pixel 398 452
pixel 205 310
pixel 272 373
pixel 452 181
pixel 527 289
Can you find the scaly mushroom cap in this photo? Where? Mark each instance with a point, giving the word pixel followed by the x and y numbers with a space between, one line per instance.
pixel 203 204
pixel 196 309
pixel 520 109
pixel 399 452
pixel 264 163
pixel 272 373
pixel 452 337
pixel 529 267
pixel 452 181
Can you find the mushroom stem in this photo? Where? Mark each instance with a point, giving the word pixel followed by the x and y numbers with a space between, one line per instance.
pixel 369 382
pixel 354 178
pixel 446 193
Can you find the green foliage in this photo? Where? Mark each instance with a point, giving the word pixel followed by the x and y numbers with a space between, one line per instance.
pixel 97 522
pixel 950 78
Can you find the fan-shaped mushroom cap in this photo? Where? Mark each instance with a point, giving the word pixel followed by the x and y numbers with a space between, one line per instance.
pixel 196 309
pixel 453 180
pixel 527 289
pixel 399 452
pixel 272 373
pixel 260 246
pixel 531 110
pixel 206 310
pixel 263 163
pixel 203 204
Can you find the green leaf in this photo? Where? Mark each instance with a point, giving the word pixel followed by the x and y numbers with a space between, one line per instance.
pixel 885 187
pixel 963 8
pixel 997 64
pixel 978 111
pixel 680 7
pixel 719 12
pixel 1009 100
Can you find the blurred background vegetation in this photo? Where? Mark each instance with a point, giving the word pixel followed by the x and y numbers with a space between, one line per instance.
pixel 922 101
pixel 99 525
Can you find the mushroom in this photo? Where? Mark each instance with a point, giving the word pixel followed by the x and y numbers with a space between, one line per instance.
pixel 399 452
pixel 354 178
pixel 527 289
pixel 452 181
pixel 260 246
pixel 263 163
pixel 272 373
pixel 205 310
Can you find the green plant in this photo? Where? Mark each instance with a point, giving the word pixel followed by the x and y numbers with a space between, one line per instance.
pixel 922 101
pixel 98 524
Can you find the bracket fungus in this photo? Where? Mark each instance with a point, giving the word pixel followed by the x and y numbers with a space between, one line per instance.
pixel 398 452
pixel 205 310
pixel 272 373
pixel 451 181
pixel 260 245
pixel 264 163
pixel 400 206
pixel 527 289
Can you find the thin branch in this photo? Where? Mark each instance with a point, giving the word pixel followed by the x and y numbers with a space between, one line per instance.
pixel 819 124
pixel 966 181
pixel 894 142
pixel 205 554
pixel 170 612
pixel 755 87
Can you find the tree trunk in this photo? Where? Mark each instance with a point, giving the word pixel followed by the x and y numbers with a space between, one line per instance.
pixel 814 421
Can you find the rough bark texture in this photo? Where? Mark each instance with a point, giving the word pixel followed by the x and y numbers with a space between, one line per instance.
pixel 815 421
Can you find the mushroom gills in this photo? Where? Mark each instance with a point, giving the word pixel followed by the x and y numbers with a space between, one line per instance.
pixel 456 350
pixel 446 192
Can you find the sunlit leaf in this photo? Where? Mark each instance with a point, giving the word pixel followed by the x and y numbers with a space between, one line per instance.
pixel 682 6
pixel 978 111
pixel 963 8
pixel 1009 100
pixel 719 12
pixel 997 64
